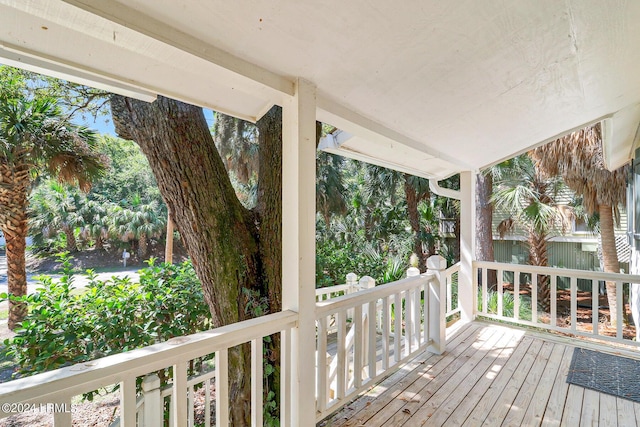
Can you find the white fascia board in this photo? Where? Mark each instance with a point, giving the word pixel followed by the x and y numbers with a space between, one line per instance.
pixel 342 118
pixel 128 17
pixel 621 136
pixel 42 64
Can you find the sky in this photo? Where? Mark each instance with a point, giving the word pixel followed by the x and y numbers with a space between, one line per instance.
pixel 103 124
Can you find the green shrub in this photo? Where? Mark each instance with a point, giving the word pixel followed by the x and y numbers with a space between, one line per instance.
pixel 508 304
pixel 65 327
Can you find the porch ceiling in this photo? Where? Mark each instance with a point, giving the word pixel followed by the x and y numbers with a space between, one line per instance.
pixel 423 85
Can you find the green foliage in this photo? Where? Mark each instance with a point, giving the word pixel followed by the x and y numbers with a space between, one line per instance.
pixel 508 305
pixel 64 327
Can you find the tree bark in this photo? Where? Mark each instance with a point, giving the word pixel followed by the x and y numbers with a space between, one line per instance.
pixel 72 245
pixel 484 224
pixel 538 256
pixel 609 258
pixel 219 234
pixel 13 220
pixel 411 196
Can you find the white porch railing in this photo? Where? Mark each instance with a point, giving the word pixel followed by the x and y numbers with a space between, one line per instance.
pixel 376 329
pixel 504 303
pixel 389 324
pixel 451 283
pixel 61 385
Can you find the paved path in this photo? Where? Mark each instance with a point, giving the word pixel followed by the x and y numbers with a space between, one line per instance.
pixel 80 280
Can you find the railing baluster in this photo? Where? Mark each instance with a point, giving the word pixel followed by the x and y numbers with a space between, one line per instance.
pixel 321 363
pixel 179 395
pixel 128 402
pixel 386 331
pixel 416 317
pixel 373 308
pixel 285 378
pixel 595 306
pixel 500 276
pixel 397 335
pixel 357 346
pixel 448 279
pixel 256 382
pixel 516 295
pixel 574 303
pixel 207 403
pixel 553 285
pixel 190 406
pixel 534 298
pixel 63 418
pixel 485 291
pixel 408 322
pixel 341 377
pixel 620 310
pixel 425 310
pixel 222 387
pixel 152 400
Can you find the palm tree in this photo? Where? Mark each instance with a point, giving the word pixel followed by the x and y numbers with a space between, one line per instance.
pixel 35 137
pixel 330 189
pixel 579 159
pixel 529 197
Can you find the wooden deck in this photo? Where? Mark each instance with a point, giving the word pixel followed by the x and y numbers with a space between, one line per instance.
pixel 490 375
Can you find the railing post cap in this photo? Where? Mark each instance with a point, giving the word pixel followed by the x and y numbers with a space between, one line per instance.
pixel 436 262
pixel 413 271
pixel 367 282
pixel 150 382
pixel 352 277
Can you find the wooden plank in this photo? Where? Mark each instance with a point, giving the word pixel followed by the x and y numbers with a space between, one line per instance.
pixel 555 406
pixel 474 384
pixel 481 409
pixel 636 407
pixel 608 410
pixel 422 362
pixel 424 374
pixel 503 404
pixel 420 404
pixel 573 406
pixel 590 408
pixel 540 398
pixel 523 398
pixel 625 412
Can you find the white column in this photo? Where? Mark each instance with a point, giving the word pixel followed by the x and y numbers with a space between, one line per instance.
pixel 466 292
pixel 298 246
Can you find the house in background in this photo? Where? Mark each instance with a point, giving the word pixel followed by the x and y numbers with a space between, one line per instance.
pixel 427 86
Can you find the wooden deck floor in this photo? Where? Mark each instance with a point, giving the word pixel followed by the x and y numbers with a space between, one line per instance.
pixel 490 375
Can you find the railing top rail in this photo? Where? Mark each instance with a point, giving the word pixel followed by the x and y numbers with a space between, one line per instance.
pixel 332 289
pixel 562 272
pixel 72 380
pixel 364 296
pixel 454 268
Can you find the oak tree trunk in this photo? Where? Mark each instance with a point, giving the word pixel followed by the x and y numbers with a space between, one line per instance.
pixel 232 248
pixel 484 224
pixel 609 258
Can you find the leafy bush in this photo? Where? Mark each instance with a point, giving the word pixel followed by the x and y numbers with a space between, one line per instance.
pixel 508 304
pixel 65 327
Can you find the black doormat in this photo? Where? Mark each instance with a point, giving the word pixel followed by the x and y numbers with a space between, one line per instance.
pixel 606 373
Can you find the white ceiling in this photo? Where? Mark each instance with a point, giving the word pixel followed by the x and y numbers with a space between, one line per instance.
pixel 428 85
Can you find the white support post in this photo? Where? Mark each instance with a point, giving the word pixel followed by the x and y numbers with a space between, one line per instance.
pixel 466 292
pixel 152 400
pixel 437 304
pixel 298 246
pixel 352 282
